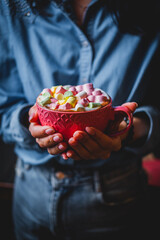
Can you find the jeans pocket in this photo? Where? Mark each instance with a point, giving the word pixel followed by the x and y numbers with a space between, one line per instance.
pixel 122 188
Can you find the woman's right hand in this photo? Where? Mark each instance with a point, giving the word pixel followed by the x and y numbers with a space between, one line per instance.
pixel 45 136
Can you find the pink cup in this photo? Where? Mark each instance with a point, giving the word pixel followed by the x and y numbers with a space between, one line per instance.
pixel 105 118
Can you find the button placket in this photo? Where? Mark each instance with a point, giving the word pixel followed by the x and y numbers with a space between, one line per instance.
pixel 86 59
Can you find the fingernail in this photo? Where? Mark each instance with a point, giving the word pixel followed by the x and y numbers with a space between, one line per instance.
pixel 56 139
pixel 136 104
pixel 49 131
pixel 31 117
pixel 78 135
pixel 64 156
pixel 69 154
pixel 61 147
pixel 72 142
pixel 91 131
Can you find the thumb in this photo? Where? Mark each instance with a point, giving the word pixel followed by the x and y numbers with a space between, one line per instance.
pixel 131 106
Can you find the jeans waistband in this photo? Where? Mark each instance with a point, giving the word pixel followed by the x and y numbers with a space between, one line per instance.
pixel 73 176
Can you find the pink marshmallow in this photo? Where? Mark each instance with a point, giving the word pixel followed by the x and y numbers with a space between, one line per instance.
pixel 84 102
pixel 89 91
pixel 101 98
pixel 91 98
pixel 65 106
pixel 97 92
pixel 47 90
pixel 54 105
pixel 81 95
pixel 79 88
pixel 73 90
pixel 60 89
pixel 88 86
pixel 53 100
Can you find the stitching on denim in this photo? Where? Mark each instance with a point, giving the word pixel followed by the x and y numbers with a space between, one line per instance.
pixel 18 7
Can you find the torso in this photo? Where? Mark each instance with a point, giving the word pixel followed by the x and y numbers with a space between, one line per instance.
pixel 80 7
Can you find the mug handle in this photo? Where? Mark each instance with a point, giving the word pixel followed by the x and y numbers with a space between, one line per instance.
pixel 119 113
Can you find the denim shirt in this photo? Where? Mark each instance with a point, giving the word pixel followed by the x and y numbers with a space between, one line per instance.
pixel 40 50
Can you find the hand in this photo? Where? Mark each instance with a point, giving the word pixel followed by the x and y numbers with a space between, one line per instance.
pixel 45 135
pixel 94 144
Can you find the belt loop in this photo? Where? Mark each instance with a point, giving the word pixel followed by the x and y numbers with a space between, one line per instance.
pixel 97 181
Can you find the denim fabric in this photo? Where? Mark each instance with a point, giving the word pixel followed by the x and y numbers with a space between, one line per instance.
pixel 84 204
pixel 42 50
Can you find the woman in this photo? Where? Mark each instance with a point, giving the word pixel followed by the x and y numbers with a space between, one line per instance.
pixel 69 190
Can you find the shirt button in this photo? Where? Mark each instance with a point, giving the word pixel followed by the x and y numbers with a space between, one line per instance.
pixel 27 14
pixel 60 175
pixel 85 44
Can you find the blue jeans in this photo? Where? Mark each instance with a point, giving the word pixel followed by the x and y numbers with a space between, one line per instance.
pixel 76 204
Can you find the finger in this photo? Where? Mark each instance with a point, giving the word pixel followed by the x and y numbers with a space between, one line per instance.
pixel 106 142
pixel 33 114
pixel 57 149
pixel 71 154
pixel 49 141
pixel 88 142
pixel 38 131
pixel 131 105
pixel 64 156
pixel 79 149
pixel 105 155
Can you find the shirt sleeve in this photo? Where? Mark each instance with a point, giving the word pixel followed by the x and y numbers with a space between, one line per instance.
pixel 12 97
pixel 153 138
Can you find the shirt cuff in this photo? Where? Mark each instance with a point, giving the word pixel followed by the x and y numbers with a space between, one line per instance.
pixel 153 138
pixel 20 132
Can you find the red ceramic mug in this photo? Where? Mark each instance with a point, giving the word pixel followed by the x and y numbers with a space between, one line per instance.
pixel 67 123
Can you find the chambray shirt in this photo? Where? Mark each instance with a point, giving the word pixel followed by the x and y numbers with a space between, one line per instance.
pixel 42 50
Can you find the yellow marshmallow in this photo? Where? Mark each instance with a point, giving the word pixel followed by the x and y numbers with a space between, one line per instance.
pixel 72 101
pixel 59 96
pixel 53 89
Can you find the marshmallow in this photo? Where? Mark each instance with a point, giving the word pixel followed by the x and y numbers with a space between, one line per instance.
pixel 73 90
pixel 67 87
pixel 60 89
pixel 68 94
pixel 65 106
pixel 84 102
pixel 91 98
pixel 53 89
pixel 53 106
pixel 89 91
pixel 46 90
pixel 76 98
pixel 79 107
pixel 61 102
pixel 53 100
pixel 79 88
pixel 44 98
pixel 94 105
pixel 81 95
pixel 97 92
pixel 100 98
pixel 88 86
pixel 59 96
pixel 72 101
